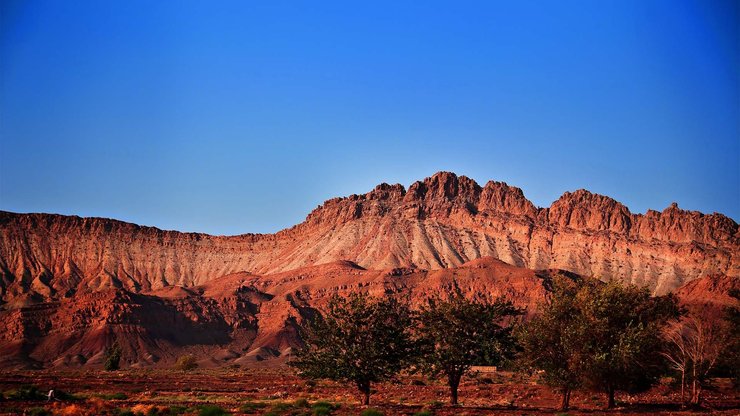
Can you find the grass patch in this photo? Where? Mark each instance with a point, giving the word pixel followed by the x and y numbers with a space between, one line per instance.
pixel 323 408
pixel 177 410
pixel 424 413
pixel 301 407
pixel 371 412
pixel 211 410
pixel 251 407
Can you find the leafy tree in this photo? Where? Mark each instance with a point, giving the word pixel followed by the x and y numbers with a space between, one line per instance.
pixel 604 336
pixel 456 333
pixel 623 336
pixel 112 358
pixel 552 340
pixel 358 340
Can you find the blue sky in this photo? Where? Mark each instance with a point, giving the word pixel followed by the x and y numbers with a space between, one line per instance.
pixel 233 117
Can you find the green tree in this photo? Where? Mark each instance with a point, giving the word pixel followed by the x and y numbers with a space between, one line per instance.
pixel 359 340
pixel 603 336
pixel 457 333
pixel 112 358
pixel 623 336
pixel 552 340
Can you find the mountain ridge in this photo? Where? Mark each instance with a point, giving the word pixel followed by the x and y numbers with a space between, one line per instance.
pixel 440 222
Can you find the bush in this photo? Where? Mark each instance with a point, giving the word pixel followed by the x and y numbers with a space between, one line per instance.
pixel 26 392
pixel 112 358
pixel 176 410
pixel 424 413
pixel 323 408
pixel 123 412
pixel 301 403
pixel 210 410
pixel 371 412
pixel 186 362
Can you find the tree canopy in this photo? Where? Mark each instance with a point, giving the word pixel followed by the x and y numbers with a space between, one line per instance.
pixel 358 339
pixel 456 333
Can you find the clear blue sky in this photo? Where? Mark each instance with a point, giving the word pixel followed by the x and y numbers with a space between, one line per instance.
pixel 232 117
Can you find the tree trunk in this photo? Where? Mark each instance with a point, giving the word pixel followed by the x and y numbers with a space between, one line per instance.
pixel 694 387
pixel 683 385
pixel 610 391
pixel 696 394
pixel 364 387
pixel 565 402
pixel 453 380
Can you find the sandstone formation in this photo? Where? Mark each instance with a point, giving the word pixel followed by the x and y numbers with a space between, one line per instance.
pixel 443 221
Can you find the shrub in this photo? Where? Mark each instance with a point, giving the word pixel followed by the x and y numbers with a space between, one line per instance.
pixel 424 413
pixel 176 410
pixel 26 392
pixel 301 403
pixel 210 410
pixel 112 358
pixel 371 412
pixel 323 408
pixel 186 362
pixel 38 411
pixel 123 412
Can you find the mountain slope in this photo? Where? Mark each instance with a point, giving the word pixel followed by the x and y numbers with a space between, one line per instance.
pixel 240 319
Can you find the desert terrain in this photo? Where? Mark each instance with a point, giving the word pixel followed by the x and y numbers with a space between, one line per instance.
pixel 280 392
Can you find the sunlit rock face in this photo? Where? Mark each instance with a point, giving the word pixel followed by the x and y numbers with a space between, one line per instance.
pixel 440 222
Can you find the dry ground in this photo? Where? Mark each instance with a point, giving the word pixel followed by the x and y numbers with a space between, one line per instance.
pixel 277 391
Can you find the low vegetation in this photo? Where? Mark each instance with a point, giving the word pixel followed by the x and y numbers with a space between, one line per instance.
pixel 187 362
pixel 112 358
